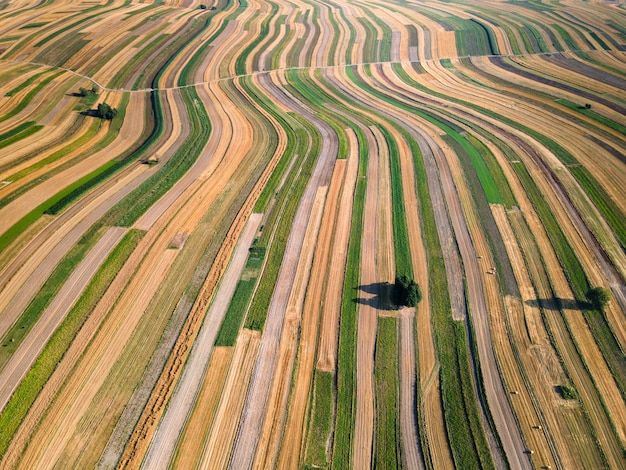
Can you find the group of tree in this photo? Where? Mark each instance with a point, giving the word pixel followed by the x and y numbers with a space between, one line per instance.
pixel 406 292
pixel 105 111
pixel 598 297
pixel 88 91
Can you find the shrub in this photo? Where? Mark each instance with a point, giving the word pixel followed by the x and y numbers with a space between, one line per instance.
pixel 567 392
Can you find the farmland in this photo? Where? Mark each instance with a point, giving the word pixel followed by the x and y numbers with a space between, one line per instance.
pixel 205 207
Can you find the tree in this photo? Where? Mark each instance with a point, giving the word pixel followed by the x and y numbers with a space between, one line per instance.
pixel 599 297
pixel 88 91
pixel 105 111
pixel 406 292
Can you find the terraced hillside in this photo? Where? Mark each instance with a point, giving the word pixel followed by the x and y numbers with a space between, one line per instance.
pixel 206 280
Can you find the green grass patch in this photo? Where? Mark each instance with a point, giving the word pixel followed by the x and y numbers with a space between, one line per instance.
pixel 127 211
pixel 402 249
pixel 29 96
pixel 33 25
pixel 25 83
pixel 592 114
pixel 321 420
pixel 35 379
pixel 387 450
pixel 346 354
pixel 18 133
pixel 228 332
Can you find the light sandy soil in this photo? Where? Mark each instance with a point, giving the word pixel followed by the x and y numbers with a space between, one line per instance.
pixel 164 440
pixel 217 449
pixel 292 442
pixel 274 421
pixel 329 328
pixel 196 430
pixel 51 318
pixel 367 318
pixel 248 433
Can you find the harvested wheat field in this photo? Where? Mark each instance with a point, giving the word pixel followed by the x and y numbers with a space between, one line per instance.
pixel 306 234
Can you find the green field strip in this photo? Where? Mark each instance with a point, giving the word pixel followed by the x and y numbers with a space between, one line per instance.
pixel 334 42
pixel 277 228
pixel 592 114
pixel 387 448
pixel 404 266
pixel 451 347
pixel 370 44
pixel 229 330
pixel 467 453
pixel 128 211
pixel 352 37
pixel 14 336
pixel 471 38
pixel 240 63
pixel 320 421
pixel 194 62
pixel 384 44
pixel 274 55
pixel 508 284
pixel 35 379
pixel 279 50
pixel 141 11
pixel 346 354
pixel 18 133
pixel 491 37
pixel 25 83
pixel 599 197
pixel 29 96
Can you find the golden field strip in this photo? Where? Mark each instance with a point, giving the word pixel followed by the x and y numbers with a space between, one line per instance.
pixel 206 280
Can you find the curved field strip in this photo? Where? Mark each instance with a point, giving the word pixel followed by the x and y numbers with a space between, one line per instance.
pixel 477 148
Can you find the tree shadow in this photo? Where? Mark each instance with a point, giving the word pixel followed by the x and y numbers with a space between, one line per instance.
pixel 382 293
pixel 90 113
pixel 556 303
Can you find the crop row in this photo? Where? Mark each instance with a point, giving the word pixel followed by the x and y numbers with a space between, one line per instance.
pixel 35 379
